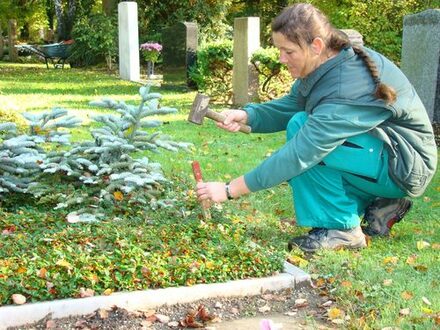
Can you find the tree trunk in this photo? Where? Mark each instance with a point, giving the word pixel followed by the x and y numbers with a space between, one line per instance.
pixel 65 19
pixel 108 6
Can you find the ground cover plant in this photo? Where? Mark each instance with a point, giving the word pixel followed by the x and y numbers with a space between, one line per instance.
pixel 42 257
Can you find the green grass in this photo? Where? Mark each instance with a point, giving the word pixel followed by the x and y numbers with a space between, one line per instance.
pixel 44 257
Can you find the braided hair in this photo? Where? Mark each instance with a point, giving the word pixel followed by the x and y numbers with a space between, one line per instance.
pixel 302 23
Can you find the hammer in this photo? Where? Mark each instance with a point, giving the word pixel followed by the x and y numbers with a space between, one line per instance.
pixel 200 110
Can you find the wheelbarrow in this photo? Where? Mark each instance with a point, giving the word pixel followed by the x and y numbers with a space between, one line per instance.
pixel 56 53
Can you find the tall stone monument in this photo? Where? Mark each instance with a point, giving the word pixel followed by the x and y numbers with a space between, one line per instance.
pixel 421 57
pixel 129 66
pixel 179 52
pixel 244 75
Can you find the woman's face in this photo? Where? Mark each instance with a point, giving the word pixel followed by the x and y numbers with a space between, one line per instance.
pixel 300 62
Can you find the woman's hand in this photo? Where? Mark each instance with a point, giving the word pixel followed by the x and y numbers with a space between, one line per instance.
pixel 211 191
pixel 215 192
pixel 233 120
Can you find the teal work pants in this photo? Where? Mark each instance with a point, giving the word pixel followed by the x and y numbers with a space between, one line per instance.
pixel 335 193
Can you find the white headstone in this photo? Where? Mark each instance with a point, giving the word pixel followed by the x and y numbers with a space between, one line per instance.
pixel 244 75
pixel 129 67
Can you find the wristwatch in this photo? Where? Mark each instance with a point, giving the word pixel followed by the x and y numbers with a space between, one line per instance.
pixel 228 191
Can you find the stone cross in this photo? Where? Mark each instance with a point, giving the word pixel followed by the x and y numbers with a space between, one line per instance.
pixel 421 57
pixel 244 75
pixel 129 67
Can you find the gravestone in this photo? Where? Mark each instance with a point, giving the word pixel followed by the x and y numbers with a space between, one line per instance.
pixel 12 39
pixel 244 74
pixel 129 66
pixel 421 57
pixel 179 53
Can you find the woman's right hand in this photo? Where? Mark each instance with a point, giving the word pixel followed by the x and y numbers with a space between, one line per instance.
pixel 234 118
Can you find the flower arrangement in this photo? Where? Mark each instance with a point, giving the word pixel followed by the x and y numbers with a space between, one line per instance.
pixel 151 51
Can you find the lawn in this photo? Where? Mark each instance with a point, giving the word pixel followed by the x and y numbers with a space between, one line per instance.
pixel 392 283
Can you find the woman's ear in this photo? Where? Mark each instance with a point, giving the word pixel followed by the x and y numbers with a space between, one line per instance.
pixel 318 45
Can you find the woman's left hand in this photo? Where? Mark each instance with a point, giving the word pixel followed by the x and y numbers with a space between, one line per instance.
pixel 211 191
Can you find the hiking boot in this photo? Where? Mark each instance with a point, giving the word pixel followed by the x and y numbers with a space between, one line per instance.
pixel 383 213
pixel 321 238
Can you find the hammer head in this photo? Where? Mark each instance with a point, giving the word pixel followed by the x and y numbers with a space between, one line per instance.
pixel 198 109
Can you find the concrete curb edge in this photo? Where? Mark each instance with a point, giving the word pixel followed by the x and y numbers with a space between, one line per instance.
pixel 13 316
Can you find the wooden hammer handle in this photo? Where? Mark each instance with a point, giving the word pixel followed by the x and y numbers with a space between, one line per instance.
pixel 220 118
pixel 198 177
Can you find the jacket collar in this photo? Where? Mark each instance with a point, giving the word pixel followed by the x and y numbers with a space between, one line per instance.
pixel 308 82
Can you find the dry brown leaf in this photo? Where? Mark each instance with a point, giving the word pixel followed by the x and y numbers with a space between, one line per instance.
pixel 406 295
pixel 51 324
pixel 85 293
pixel 203 314
pixel 436 246
pixel 42 273
pixel 346 284
pixel 299 303
pixel 411 260
pixel 103 313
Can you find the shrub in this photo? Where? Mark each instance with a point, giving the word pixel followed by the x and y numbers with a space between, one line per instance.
pixel 213 72
pixel 274 79
pixel 95 40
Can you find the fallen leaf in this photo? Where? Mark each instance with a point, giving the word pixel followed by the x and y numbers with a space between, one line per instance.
pixel 346 284
pixel 422 244
pixel 327 303
pixel 436 246
pixel 9 230
pixel 103 313
pixel 203 314
pixel 426 301
pixel 387 282
pixel 390 260
pixel 85 293
pixel 299 303
pixel 406 295
pixel 18 299
pixel 42 273
pixel 50 324
pixel 163 318
pixel 421 268
pixel 107 292
pixel 335 313
pixel 264 309
pixel 404 311
pixel 64 263
pixel 118 195
pixel 411 260
pixel 297 261
pixel 190 322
